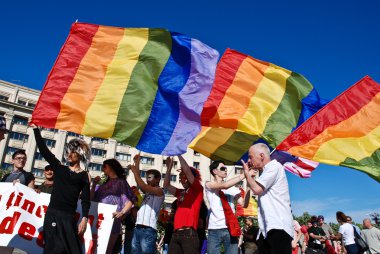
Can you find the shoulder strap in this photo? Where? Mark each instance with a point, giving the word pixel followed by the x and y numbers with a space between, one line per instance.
pixel 231 220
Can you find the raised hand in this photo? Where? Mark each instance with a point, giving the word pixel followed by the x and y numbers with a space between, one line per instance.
pixel 136 159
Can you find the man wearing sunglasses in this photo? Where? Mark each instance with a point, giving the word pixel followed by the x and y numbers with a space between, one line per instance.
pixel 145 233
pixel 189 199
pixel 274 216
pixel 18 174
pixel 218 232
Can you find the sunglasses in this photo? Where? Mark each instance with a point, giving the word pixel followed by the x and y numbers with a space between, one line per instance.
pixel 223 169
pixel 49 169
pixel 20 158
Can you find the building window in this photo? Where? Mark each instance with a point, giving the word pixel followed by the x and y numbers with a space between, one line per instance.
pixel 22 102
pixel 20 120
pixel 196 165
pixel 175 164
pixel 196 153
pixel 95 167
pixel 19 136
pixel 31 104
pixel 38 172
pixel 98 152
pixel 10 150
pixel 4 97
pixel 147 160
pixel 238 170
pixel 6 166
pixel 50 129
pixel 50 142
pixel 173 178
pixel 38 156
pixel 73 134
pixel 102 140
pixel 142 173
pixel 123 156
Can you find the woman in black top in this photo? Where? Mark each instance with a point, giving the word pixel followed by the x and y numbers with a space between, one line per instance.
pixel 61 233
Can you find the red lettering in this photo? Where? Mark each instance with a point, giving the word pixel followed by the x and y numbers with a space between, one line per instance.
pixel 10 199
pixel 90 219
pixel 28 206
pixel 92 247
pixel 8 224
pixel 27 231
pixel 100 220
pixel 40 239
pixel 38 212
pixel 18 199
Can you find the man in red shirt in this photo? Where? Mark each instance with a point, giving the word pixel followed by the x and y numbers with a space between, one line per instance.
pixel 185 238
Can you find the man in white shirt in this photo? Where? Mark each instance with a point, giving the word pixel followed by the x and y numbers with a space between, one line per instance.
pixel 371 235
pixel 145 233
pixel 274 216
pixel 218 233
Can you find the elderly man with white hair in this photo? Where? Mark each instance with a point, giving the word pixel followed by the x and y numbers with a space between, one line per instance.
pixel 371 235
pixel 275 217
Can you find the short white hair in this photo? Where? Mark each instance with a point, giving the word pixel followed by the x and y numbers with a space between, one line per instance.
pixel 261 148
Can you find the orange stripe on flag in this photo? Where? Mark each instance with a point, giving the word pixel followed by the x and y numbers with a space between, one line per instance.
pixel 238 96
pixel 358 125
pixel 91 71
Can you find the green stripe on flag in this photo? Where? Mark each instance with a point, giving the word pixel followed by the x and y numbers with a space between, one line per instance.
pixel 138 99
pixel 285 118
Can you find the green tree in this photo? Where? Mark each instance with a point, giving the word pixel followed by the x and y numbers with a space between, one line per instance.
pixel 302 220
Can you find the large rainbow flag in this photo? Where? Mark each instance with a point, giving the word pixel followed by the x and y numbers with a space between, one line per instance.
pixel 254 101
pixel 346 132
pixel 258 98
pixel 143 87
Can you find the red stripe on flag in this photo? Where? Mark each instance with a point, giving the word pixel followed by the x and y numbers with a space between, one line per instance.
pixel 63 73
pixel 303 165
pixel 224 76
pixel 352 100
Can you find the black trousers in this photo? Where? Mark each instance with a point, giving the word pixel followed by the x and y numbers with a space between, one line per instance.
pixel 184 241
pixel 277 242
pixel 61 233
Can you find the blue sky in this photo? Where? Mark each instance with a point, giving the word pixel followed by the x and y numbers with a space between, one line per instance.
pixel 332 43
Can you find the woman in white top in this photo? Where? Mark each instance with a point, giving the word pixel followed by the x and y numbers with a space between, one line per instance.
pixel 346 233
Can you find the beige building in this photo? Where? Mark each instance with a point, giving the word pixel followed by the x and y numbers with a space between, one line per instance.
pixel 17 104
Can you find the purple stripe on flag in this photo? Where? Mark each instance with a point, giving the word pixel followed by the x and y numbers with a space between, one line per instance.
pixel 193 96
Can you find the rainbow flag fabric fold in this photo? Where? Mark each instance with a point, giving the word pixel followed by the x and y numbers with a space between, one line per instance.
pixel 143 87
pixel 346 132
pixel 258 98
pixel 231 146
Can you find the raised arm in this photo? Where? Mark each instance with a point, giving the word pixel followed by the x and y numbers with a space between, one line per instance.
pixel 45 152
pixel 167 185
pixel 186 169
pixel 256 188
pixel 146 188
pixel 225 185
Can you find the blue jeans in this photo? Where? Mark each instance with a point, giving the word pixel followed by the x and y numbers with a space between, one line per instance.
pixel 217 237
pixel 352 249
pixel 144 240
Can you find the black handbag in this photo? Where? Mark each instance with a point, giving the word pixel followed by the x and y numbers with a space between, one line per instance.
pixel 362 245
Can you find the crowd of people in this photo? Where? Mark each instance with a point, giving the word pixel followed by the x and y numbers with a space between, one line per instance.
pixel 189 218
